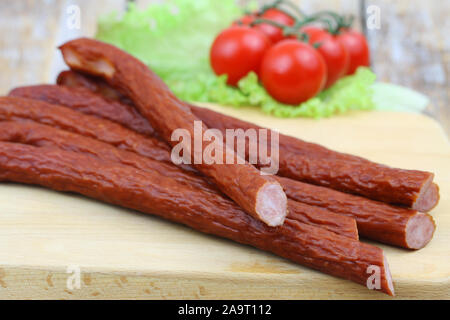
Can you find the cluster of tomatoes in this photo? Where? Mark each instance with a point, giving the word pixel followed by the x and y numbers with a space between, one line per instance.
pixel 294 58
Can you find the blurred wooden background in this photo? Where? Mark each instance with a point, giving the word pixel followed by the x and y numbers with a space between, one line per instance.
pixel 411 47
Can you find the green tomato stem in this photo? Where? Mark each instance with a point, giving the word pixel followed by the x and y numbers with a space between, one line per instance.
pixel 287 30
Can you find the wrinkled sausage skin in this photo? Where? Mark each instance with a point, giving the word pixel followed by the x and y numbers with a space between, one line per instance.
pixel 409 188
pixel 45 136
pixel 153 193
pixel 259 195
pixel 376 220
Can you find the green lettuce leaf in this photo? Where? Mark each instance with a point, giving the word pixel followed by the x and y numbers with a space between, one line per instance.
pixel 173 38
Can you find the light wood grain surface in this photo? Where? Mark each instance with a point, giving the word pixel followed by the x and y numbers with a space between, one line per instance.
pixel 124 254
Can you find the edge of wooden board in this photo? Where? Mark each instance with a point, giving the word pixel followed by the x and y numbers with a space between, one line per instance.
pixel 52 284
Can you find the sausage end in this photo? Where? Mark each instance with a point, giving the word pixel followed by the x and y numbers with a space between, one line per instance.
pixel 271 204
pixel 419 230
pixel 97 65
pixel 387 272
pixel 428 199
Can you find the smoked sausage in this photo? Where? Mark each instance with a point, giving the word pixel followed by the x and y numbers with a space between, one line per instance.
pixel 259 195
pixel 411 188
pixel 385 223
pixel 378 221
pixel 45 136
pixel 152 193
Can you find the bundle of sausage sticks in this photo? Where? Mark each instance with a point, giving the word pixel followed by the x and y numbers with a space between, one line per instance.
pixel 105 131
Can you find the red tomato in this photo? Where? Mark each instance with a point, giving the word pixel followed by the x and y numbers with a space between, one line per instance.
pixel 238 50
pixel 274 33
pixel 293 71
pixel 357 48
pixel 245 20
pixel 333 52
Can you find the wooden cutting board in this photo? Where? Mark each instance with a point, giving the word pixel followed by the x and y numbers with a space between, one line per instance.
pixel 50 239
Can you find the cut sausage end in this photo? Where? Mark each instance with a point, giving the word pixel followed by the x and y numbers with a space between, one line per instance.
pixel 271 204
pixel 387 273
pixel 97 65
pixel 428 199
pixel 419 230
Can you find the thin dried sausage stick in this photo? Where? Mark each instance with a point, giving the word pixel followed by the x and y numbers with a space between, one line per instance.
pixel 358 178
pixel 12 108
pixel 318 165
pixel 410 188
pixel 45 136
pixel 75 79
pixel 377 221
pixel 85 101
pixel 309 162
pixel 81 99
pixel 260 196
pixel 155 194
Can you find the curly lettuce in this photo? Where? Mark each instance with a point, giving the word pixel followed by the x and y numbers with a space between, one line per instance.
pixel 173 38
